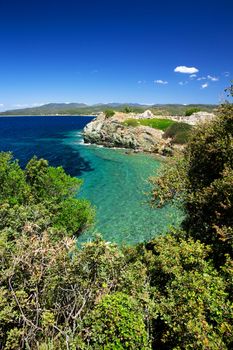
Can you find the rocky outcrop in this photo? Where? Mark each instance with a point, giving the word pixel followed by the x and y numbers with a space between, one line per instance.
pixel 110 132
pixel 145 115
pixel 194 119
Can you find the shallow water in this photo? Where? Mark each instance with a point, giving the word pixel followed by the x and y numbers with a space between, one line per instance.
pixel 114 182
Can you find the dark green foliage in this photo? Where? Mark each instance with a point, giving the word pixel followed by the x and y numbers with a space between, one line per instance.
pixel 47 182
pixel 155 123
pixel 68 210
pixel 209 159
pixel 53 295
pixel 190 111
pixel 203 181
pixel 127 109
pixel 179 132
pixel 116 323
pixel 109 113
pixel 40 195
pixel 13 186
pixel 191 306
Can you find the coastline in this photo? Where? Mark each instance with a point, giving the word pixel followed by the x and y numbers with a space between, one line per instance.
pixel 143 133
pixel 47 115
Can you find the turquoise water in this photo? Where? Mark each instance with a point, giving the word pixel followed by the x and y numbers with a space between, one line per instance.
pixel 117 187
pixel 114 182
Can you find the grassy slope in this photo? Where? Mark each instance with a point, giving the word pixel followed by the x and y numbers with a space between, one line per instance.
pixel 179 132
pixel 161 124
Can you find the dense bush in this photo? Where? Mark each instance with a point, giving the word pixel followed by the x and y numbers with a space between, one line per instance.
pixel 190 111
pixel 116 322
pixel 179 132
pixel 203 181
pixel 41 195
pixel 191 309
pixel 109 113
pixel 49 289
pixel 127 109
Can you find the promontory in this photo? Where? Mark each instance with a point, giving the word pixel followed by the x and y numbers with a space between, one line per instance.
pixel 142 132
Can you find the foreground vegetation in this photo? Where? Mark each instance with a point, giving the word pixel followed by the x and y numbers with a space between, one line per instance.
pixel 174 292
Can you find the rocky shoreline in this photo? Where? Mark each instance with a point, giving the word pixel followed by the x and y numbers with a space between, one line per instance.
pixel 111 132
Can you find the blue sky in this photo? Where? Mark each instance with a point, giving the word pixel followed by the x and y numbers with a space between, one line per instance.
pixel 114 51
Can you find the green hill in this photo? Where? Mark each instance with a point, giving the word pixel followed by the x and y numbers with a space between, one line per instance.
pixel 83 109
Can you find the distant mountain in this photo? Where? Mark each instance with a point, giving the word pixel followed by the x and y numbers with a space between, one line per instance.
pixel 68 108
pixel 50 108
pixel 84 109
pixel 63 105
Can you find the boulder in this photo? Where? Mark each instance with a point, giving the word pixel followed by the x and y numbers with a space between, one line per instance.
pixel 146 115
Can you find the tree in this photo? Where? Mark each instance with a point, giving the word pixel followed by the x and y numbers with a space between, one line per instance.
pixel 202 182
pixel 191 309
pixel 41 195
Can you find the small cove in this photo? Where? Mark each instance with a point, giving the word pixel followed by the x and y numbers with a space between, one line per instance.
pixel 114 182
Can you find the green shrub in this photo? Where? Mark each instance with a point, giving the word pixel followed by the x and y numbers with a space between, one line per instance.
pixel 117 323
pixel 109 113
pixel 181 138
pixel 202 179
pixel 127 109
pixel 191 310
pixel 179 132
pixel 190 111
pixel 41 194
pixel 131 122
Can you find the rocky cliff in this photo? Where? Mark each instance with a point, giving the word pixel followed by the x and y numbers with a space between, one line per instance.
pixel 110 132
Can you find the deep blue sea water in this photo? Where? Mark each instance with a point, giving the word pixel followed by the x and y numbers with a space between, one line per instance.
pixel 114 182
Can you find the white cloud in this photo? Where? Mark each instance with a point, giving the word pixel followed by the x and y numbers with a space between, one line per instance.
pixel 187 70
pixel 201 78
pixel 1 105
pixel 183 83
pixel 141 81
pixel 204 86
pixel 192 76
pixel 226 74
pixel 212 78
pixel 159 81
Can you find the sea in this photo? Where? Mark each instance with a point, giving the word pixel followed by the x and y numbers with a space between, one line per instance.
pixel 115 181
